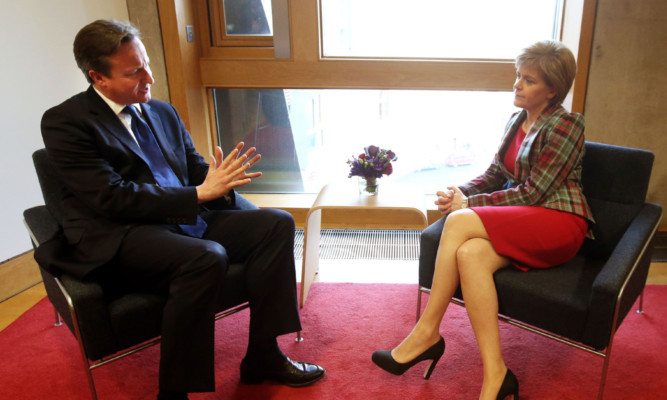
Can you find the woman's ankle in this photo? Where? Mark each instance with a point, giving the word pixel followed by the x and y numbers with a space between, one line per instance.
pixel 416 343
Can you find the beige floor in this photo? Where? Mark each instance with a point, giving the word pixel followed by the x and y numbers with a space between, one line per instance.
pixel 358 271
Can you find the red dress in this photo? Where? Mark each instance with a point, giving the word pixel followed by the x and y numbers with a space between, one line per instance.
pixel 531 236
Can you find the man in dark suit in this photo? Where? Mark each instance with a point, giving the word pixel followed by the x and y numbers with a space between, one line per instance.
pixel 138 193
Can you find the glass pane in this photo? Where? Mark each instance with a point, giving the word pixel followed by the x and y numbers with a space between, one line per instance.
pixel 248 17
pixel 306 136
pixel 475 29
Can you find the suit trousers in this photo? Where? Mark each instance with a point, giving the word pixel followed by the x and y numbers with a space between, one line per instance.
pixel 191 271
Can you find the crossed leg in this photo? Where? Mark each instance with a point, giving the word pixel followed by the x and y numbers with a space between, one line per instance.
pixel 465 256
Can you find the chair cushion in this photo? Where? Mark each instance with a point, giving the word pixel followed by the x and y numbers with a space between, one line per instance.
pixel 555 299
pixel 136 317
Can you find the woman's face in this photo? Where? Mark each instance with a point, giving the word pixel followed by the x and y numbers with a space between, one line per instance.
pixel 531 92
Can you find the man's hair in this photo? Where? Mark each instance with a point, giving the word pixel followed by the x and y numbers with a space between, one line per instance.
pixel 99 40
pixel 555 63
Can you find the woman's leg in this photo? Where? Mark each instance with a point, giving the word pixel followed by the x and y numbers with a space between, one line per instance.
pixel 460 227
pixel 477 261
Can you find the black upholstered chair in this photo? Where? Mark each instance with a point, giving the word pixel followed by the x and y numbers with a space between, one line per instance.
pixel 107 322
pixel 583 301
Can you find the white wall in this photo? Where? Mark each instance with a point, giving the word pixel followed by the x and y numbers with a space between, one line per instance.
pixel 37 72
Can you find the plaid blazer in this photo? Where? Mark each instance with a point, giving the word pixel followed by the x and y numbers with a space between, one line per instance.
pixel 547 170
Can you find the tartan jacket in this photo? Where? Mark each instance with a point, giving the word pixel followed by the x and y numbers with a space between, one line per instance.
pixel 548 166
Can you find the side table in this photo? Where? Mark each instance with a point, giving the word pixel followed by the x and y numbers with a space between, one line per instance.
pixel 396 206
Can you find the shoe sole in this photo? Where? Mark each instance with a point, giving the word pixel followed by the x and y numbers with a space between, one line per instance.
pixel 258 380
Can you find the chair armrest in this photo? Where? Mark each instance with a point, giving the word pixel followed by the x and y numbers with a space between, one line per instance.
pixel 86 296
pixel 40 224
pixel 624 274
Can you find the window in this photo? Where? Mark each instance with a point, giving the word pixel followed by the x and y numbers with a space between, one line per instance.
pixel 305 136
pixel 244 23
pixel 451 29
pixel 444 135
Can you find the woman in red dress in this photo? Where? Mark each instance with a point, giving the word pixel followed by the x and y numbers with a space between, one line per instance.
pixel 527 210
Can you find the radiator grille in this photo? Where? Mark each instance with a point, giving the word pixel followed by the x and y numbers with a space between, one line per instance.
pixel 364 244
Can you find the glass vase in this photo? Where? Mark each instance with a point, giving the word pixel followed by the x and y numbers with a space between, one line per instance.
pixel 368 186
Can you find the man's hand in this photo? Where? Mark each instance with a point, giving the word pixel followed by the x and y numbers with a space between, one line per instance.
pixel 225 175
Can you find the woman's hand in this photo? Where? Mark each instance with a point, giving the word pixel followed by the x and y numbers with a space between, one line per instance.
pixel 457 198
pixel 224 175
pixel 449 200
pixel 444 201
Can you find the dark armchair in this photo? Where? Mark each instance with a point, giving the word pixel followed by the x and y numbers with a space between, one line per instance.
pixel 583 301
pixel 107 322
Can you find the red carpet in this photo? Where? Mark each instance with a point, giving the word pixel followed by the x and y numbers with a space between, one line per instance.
pixel 343 324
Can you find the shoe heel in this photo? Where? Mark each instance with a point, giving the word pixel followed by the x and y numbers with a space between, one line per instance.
pixel 430 368
pixel 509 387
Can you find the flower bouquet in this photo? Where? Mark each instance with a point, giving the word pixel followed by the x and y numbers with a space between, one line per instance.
pixel 373 163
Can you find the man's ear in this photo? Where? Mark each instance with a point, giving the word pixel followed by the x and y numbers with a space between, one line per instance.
pixel 98 78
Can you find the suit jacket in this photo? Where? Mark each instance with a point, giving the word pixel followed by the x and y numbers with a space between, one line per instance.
pixel 547 170
pixel 109 186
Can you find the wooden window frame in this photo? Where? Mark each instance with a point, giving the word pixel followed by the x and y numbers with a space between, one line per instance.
pixel 210 66
pixel 220 38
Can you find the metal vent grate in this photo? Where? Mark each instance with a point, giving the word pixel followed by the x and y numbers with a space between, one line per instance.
pixel 364 244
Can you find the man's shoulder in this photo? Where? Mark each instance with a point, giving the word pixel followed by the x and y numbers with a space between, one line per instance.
pixel 77 104
pixel 75 101
pixel 161 106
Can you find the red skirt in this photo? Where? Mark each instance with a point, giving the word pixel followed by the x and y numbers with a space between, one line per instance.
pixel 533 237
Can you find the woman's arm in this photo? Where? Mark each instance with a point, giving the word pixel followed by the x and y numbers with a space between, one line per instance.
pixel 551 160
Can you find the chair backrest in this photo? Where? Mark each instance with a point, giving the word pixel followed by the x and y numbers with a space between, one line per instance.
pixel 53 190
pixel 615 181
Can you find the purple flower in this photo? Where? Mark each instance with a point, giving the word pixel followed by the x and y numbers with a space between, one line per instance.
pixel 373 163
pixel 372 150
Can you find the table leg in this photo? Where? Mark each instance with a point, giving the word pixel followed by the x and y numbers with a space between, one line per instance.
pixel 311 249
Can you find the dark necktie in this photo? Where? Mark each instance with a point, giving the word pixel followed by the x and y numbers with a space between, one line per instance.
pixel 161 170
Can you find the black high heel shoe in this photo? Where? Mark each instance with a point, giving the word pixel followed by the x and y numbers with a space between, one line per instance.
pixel 384 360
pixel 510 386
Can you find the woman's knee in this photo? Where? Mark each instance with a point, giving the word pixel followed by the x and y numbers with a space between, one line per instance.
pixel 477 256
pixel 472 255
pixel 460 219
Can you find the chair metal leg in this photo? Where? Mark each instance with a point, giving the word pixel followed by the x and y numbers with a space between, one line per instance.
pixel 298 338
pixel 86 364
pixel 79 339
pixel 91 382
pixel 640 310
pixel 605 367
pixel 59 321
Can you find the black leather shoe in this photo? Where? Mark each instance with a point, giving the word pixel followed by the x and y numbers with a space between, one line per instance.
pixel 384 360
pixel 287 372
pixel 169 395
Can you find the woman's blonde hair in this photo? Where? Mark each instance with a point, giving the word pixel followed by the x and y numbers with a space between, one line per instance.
pixel 555 63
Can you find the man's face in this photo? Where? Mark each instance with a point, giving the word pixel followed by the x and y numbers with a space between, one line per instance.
pixel 130 76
